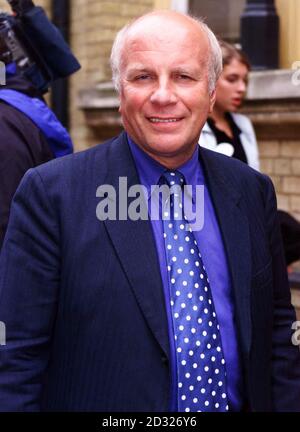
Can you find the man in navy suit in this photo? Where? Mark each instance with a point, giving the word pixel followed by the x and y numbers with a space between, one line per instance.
pixel 87 300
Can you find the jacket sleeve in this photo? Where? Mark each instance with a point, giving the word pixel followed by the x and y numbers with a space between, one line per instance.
pixel 22 146
pixel 29 280
pixel 285 355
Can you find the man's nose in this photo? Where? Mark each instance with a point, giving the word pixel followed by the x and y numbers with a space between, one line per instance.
pixel 164 93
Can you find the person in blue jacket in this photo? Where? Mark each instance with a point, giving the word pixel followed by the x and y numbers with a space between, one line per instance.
pixel 30 133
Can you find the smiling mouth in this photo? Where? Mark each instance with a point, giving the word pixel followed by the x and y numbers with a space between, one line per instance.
pixel 163 120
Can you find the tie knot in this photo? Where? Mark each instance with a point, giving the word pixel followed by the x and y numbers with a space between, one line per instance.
pixel 173 178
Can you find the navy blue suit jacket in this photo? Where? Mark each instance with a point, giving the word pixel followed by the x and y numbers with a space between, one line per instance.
pixel 83 302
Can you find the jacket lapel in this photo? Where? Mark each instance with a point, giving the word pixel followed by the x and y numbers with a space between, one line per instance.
pixel 135 245
pixel 234 228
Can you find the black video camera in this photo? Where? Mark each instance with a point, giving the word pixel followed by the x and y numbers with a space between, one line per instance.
pixel 35 45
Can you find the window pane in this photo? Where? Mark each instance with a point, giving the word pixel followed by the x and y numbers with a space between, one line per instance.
pixel 223 16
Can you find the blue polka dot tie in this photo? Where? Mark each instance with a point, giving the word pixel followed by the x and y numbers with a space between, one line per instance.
pixel 201 372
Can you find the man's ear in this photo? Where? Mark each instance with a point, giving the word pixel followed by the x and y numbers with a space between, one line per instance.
pixel 212 101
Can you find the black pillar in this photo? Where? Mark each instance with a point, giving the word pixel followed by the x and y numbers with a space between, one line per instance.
pixel 260 34
pixel 60 88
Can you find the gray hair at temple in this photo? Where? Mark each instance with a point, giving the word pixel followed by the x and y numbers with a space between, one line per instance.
pixel 215 61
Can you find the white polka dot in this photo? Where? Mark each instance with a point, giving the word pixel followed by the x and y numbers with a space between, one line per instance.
pixel 187 239
pixel 220 383
pixel 210 324
pixel 177 293
pixel 190 295
pixel 191 273
pixel 166 214
pixel 169 247
pixel 183 397
pixel 218 349
pixel 179 349
pixel 183 305
pixel 195 400
pixel 165 235
pixel 173 281
pixel 203 390
pixel 170 226
pixel 186 340
pixel 206 368
pixel 227 408
pixel 213 393
pixel 176 315
pixel 180 249
pixel 193 330
pixel 201 298
pixel 195 308
pixel 223 395
pixel 179 271
pixel 198 343
pixel 187 375
pixel 187 410
pixel 217 371
pixel 195 365
pixel 196 285
pixel 191 353
pixel 206 311
pixel 181 226
pixel 181 327
pixel 206 403
pixel 204 333
pixel 171 303
pixel 175 236
pixel 209 381
pixel 217 405
pixel 192 251
pixel 184 283
pixel 202 356
pixel 188 318
pixel 199 378
pixel 223 361
pixel 201 276
pixel 200 320
pixel 191 388
pixel 183 362
pixel 186 261
pixel 197 264
pixel 174 259
pixel 180 384
pixel 213 359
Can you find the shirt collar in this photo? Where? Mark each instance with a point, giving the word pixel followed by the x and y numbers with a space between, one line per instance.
pixel 150 170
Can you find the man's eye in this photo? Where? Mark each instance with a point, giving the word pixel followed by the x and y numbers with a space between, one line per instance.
pixel 142 77
pixel 184 77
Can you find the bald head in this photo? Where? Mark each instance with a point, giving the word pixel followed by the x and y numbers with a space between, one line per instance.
pixel 169 27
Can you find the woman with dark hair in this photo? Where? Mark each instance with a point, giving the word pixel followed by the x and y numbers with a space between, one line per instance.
pixel 226 131
pixel 233 135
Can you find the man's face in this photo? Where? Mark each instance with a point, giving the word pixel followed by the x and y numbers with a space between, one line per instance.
pixel 164 98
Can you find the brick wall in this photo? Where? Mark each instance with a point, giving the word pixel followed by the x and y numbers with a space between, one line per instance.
pixel 281 161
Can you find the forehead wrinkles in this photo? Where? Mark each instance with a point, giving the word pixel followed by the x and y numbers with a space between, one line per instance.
pixel 173 45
